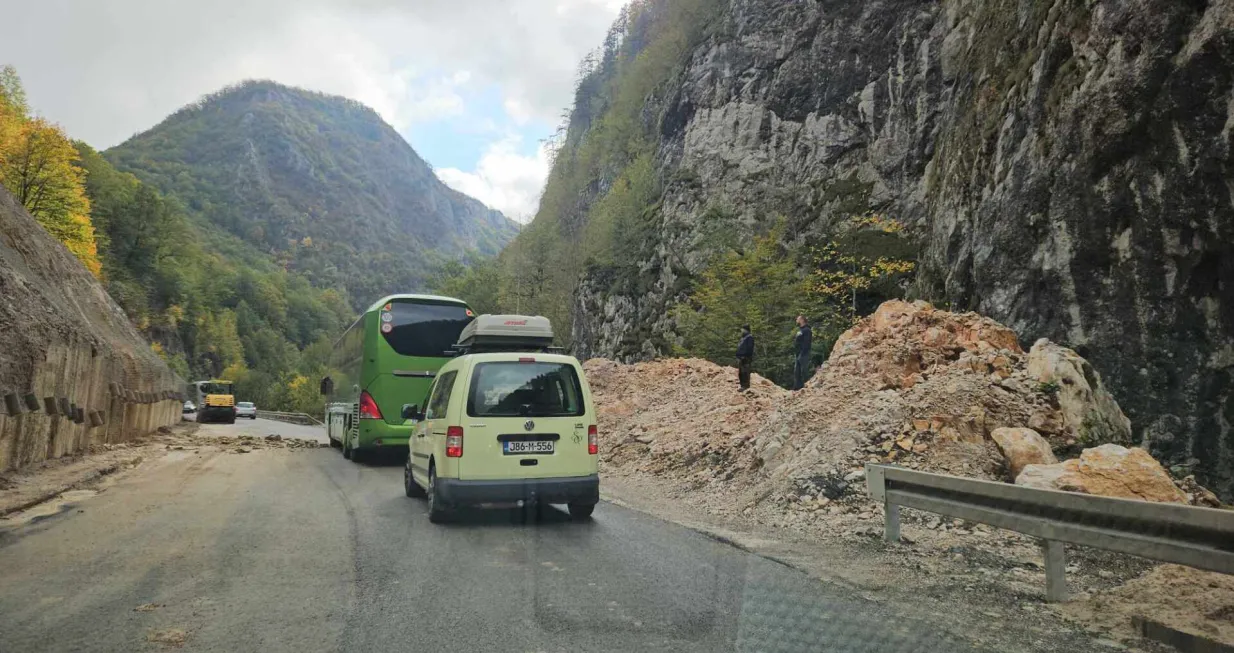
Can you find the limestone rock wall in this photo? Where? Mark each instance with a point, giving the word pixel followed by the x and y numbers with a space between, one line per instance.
pixel 1066 164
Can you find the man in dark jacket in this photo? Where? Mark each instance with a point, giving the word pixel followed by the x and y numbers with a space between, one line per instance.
pixel 801 352
pixel 745 357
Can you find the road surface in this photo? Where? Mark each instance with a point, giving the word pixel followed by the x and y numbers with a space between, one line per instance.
pixel 260 428
pixel 301 550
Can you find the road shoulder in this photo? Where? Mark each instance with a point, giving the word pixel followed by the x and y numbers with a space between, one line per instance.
pixel 991 596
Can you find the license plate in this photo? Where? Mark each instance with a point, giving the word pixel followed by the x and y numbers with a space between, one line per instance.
pixel 531 446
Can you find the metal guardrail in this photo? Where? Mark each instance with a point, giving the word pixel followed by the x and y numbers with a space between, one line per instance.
pixel 1196 537
pixel 294 418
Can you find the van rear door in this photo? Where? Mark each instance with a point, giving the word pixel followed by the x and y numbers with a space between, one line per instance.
pixel 525 418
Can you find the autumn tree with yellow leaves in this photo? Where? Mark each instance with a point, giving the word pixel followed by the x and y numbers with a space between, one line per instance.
pixel 39 166
pixel 866 253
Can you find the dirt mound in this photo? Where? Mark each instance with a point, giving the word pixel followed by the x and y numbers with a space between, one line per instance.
pixel 1197 602
pixel 668 415
pixel 910 384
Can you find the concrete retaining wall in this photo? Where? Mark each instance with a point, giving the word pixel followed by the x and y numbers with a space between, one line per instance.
pixel 73 369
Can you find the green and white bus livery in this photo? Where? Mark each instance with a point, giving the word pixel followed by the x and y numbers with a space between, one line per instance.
pixel 386 359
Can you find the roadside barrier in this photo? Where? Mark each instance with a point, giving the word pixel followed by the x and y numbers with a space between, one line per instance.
pixel 1196 537
pixel 291 418
pixel 34 429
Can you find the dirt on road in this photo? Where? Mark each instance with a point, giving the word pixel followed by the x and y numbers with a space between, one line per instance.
pixel 27 489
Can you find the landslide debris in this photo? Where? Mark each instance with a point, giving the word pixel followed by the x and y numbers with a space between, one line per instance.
pixel 1108 470
pixel 1197 602
pixel 911 385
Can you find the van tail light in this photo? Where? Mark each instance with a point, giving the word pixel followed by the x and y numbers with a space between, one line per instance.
pixel 454 442
pixel 368 407
pixel 593 445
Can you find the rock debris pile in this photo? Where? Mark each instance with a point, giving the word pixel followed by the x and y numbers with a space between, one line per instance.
pixel 913 385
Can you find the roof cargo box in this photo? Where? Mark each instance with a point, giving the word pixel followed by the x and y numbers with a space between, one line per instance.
pixel 507 333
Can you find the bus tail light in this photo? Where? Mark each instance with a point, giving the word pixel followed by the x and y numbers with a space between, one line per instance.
pixel 593 444
pixel 368 407
pixel 454 442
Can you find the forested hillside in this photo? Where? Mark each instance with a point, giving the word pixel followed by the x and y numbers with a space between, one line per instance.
pixel 318 183
pixel 246 268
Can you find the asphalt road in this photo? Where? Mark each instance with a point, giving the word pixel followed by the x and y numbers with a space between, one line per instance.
pixel 262 427
pixel 300 550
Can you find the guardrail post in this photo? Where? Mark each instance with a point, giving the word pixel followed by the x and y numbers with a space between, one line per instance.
pixel 891 522
pixel 876 483
pixel 1055 571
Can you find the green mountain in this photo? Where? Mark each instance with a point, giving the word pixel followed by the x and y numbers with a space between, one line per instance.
pixel 318 183
pixel 242 233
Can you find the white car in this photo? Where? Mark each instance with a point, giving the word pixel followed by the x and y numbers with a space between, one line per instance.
pixel 190 407
pixel 246 409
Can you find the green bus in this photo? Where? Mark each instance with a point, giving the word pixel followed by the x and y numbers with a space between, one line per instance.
pixel 388 358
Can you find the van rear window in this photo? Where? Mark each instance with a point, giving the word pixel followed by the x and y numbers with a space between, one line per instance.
pixel 513 389
pixel 423 329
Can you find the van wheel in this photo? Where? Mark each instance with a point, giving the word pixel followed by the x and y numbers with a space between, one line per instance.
pixel 436 511
pixel 581 511
pixel 409 484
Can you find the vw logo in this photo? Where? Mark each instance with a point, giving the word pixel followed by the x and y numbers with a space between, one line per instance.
pixel 528 425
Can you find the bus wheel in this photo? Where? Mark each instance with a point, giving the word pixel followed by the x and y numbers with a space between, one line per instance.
pixel 347 448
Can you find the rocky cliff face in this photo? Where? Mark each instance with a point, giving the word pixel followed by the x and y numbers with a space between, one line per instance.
pixel 1066 164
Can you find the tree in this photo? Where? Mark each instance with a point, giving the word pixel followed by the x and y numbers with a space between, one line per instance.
pixel 766 286
pixel 477 284
pixel 38 165
pixel 760 286
pixel 868 254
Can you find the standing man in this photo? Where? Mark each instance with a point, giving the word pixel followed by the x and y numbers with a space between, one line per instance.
pixel 801 350
pixel 745 357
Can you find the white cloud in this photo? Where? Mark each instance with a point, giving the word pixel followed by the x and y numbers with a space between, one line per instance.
pixel 115 68
pixel 111 69
pixel 504 179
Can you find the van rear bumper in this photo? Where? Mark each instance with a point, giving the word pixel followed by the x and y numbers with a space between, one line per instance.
pixel 571 489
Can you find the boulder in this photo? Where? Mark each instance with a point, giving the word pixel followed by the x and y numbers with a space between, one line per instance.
pixel 1108 470
pixel 1089 412
pixel 1022 447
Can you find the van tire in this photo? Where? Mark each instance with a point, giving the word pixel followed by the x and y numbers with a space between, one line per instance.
pixel 436 512
pixel 410 486
pixel 581 511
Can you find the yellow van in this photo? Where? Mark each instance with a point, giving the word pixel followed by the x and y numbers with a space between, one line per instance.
pixel 510 421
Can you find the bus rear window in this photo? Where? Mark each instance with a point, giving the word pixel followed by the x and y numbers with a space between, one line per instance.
pixel 423 329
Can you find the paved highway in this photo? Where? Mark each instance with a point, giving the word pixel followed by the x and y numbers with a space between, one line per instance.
pixel 300 550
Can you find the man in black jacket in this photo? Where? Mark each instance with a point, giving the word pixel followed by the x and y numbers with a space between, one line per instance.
pixel 801 352
pixel 745 357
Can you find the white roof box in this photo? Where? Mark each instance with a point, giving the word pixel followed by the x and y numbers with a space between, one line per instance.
pixel 507 333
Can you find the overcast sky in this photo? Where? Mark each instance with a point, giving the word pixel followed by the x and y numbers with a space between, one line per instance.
pixel 474 85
